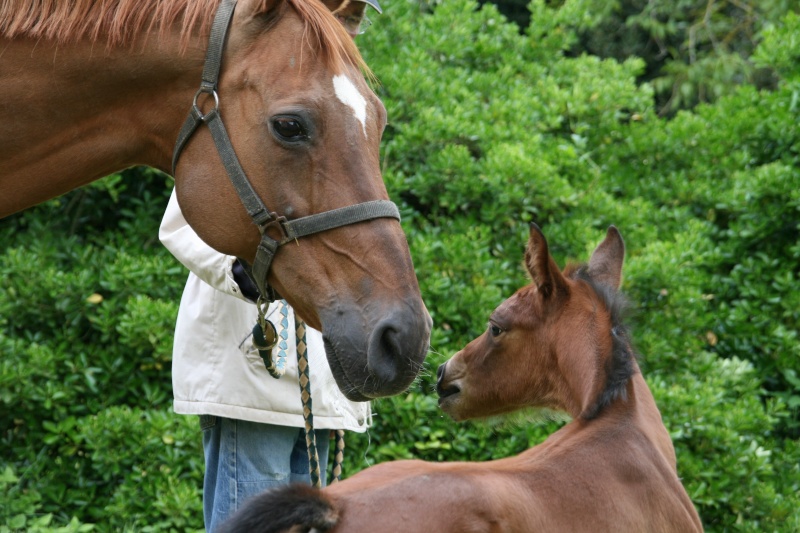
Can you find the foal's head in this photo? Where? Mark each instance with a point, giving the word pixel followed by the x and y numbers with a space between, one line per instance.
pixel 555 344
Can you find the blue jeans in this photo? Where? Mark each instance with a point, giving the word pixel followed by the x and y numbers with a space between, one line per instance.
pixel 245 458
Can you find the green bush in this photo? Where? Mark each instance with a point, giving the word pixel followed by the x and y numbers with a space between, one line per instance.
pixel 489 130
pixel 695 51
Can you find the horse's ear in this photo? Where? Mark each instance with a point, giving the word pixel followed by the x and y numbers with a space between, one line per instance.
pixel 336 5
pixel 263 7
pixel 542 268
pixel 605 266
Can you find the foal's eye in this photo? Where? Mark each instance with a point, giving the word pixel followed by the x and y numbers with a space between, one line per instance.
pixel 495 330
pixel 289 129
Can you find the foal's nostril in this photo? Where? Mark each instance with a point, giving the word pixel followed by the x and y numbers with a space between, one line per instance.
pixel 440 372
pixel 441 390
pixel 440 377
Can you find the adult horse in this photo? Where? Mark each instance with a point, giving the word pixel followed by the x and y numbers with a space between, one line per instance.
pixel 90 88
pixel 557 344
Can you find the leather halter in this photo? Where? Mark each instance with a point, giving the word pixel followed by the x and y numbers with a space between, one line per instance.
pixel 258 211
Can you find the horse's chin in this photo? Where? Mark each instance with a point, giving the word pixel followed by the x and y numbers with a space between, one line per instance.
pixel 450 405
pixel 361 387
pixel 345 384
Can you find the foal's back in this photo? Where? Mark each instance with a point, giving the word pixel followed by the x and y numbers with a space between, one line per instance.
pixel 609 474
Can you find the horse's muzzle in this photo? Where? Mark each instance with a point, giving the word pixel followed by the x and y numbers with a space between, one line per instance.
pixel 372 359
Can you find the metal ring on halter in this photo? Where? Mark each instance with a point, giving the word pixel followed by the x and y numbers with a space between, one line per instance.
pixel 213 93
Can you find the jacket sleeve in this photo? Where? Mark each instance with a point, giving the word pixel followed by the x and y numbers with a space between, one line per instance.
pixel 209 265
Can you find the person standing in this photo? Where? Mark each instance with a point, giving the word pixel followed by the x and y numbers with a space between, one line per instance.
pixel 252 424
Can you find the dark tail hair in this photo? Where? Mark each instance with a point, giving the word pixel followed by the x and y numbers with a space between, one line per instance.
pixel 281 509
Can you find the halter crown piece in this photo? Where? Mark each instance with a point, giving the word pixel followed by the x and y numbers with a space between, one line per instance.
pixel 291 229
pixel 264 218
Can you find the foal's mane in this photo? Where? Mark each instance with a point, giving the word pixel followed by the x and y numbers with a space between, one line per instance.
pixel 620 366
pixel 119 22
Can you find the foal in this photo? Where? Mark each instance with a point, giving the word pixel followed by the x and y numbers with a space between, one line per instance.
pixel 556 344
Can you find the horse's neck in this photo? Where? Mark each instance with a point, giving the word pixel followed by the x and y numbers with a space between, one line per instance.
pixel 647 417
pixel 74 113
pixel 636 413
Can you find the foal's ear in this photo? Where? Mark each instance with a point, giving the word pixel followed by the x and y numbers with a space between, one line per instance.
pixel 605 266
pixel 542 268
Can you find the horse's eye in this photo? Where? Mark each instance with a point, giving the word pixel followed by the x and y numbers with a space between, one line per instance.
pixel 289 129
pixel 495 330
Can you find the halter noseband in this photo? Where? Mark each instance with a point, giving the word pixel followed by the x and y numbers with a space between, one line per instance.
pixel 263 217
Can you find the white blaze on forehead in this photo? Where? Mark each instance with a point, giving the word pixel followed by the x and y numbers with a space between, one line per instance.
pixel 349 95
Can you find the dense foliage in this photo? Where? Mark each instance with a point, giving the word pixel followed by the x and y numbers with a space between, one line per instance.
pixel 694 50
pixel 489 129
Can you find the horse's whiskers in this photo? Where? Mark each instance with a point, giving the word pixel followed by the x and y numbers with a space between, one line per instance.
pixel 431 350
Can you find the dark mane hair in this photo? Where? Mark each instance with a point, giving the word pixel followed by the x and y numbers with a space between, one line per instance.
pixel 621 366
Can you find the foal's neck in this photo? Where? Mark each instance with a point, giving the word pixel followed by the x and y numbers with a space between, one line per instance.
pixel 637 411
pixel 77 112
pixel 648 418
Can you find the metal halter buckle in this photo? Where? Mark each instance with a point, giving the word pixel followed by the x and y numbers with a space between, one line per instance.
pixel 278 221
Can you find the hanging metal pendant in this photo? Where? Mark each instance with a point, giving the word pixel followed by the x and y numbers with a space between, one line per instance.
pixel 265 338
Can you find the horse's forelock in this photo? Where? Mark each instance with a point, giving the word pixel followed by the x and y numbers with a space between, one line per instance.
pixel 329 37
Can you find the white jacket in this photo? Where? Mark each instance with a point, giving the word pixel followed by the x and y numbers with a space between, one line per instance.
pixel 215 368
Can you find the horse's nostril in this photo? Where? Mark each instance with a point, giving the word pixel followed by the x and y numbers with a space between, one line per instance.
pixel 384 358
pixel 388 344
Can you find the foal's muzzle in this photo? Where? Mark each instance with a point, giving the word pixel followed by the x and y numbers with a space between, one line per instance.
pixel 442 389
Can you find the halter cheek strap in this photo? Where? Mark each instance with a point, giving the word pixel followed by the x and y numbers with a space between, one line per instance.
pixel 263 218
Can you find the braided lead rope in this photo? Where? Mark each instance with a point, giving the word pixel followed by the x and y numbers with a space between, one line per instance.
pixel 338 458
pixel 304 378
pixel 277 368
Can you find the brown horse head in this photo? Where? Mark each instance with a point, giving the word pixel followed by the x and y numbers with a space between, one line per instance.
pixel 306 129
pixel 555 344
pixel 303 124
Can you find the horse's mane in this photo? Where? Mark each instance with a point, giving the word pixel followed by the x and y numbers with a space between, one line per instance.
pixel 115 21
pixel 621 366
pixel 119 22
